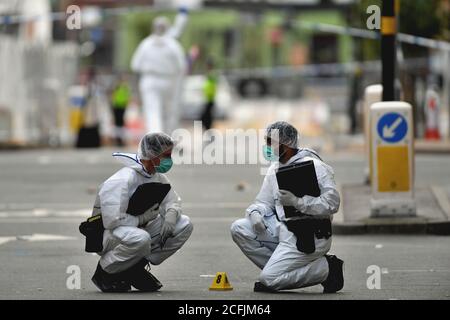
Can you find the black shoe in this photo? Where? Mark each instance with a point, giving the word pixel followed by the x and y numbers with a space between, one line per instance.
pixel 335 279
pixel 140 277
pixel 108 282
pixel 259 287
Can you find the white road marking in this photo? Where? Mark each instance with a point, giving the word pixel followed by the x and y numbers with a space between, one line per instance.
pixel 44 237
pixel 41 220
pixel 24 206
pixel 92 160
pixel 36 205
pixel 419 270
pixel 4 240
pixel 220 205
pixel 36 237
pixel 378 246
pixel 43 213
pixel 215 219
pixel 44 160
pixel 86 212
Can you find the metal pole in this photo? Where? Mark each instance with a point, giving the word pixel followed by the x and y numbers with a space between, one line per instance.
pixel 388 52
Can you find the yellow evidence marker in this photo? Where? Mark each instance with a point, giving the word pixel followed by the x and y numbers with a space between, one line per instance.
pixel 221 282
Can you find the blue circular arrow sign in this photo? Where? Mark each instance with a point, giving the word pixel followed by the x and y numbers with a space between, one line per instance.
pixel 392 127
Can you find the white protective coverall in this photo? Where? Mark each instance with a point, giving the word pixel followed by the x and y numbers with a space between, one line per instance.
pixel 124 242
pixel 161 62
pixel 275 251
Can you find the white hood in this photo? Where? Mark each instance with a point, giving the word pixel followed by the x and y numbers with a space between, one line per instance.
pixel 132 161
pixel 302 153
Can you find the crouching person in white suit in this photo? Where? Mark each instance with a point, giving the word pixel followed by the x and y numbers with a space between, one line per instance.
pixel 131 242
pixel 263 235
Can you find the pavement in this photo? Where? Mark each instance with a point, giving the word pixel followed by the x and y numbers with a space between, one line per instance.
pixel 354 217
pixel 45 194
pixel 432 146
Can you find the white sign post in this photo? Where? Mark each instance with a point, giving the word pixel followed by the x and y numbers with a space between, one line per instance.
pixel 392 159
pixel 372 94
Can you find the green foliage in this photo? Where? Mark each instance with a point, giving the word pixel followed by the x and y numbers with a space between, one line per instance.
pixel 419 18
pixel 416 17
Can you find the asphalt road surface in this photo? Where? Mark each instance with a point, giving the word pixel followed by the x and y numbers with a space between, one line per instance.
pixel 45 194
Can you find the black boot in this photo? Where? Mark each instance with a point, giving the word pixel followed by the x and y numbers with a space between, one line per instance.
pixel 108 282
pixel 259 287
pixel 335 279
pixel 140 277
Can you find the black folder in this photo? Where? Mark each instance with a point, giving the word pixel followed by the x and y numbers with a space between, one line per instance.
pixel 146 196
pixel 300 179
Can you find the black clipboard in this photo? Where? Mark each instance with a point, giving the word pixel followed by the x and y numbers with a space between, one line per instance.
pixel 146 196
pixel 300 179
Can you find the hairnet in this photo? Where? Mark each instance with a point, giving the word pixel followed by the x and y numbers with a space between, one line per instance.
pixel 153 145
pixel 287 134
pixel 160 25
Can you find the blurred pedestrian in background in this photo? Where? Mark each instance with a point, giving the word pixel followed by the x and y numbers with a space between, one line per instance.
pixel 161 62
pixel 89 133
pixel 209 91
pixel 120 98
pixel 356 91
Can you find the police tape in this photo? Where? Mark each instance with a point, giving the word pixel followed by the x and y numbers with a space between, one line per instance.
pixel 321 69
pixel 61 15
pixel 330 28
pixel 321 27
pixel 424 42
pixel 367 34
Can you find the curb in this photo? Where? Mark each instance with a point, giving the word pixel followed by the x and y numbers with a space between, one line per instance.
pixel 420 224
pixel 434 228
pixel 430 146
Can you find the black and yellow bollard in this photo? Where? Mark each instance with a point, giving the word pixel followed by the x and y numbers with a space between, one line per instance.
pixel 388 47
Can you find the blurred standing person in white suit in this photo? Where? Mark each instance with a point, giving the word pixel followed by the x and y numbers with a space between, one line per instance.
pixel 160 60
